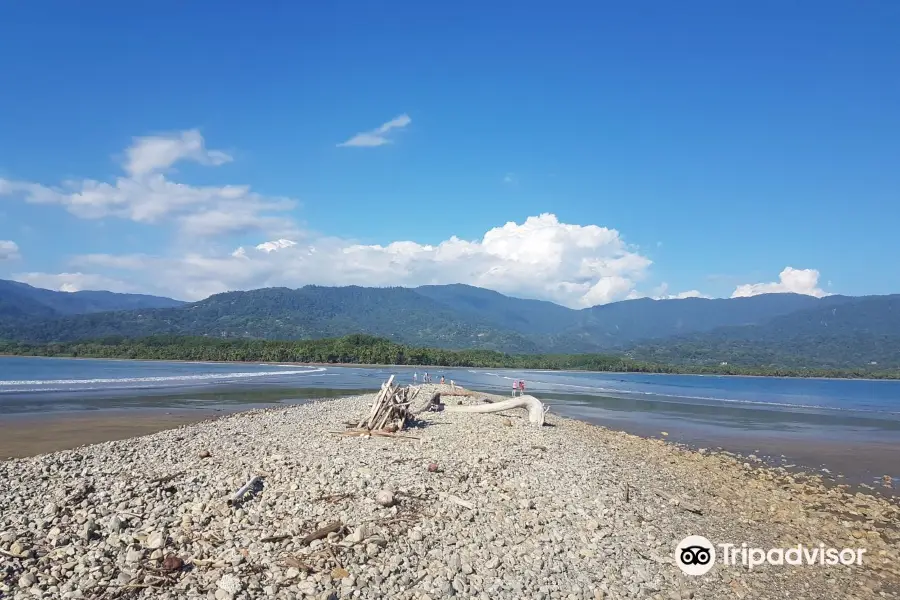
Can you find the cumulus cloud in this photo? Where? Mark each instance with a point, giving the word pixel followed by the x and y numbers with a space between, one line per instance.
pixel 146 195
pixel 9 250
pixel 661 293
pixel 575 265
pixel 155 153
pixel 790 280
pixel 379 135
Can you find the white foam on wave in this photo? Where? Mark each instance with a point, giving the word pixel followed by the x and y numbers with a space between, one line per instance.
pixel 160 379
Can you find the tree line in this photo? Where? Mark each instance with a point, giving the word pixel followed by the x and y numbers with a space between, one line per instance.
pixel 369 350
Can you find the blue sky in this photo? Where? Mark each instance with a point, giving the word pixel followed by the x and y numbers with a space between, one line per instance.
pixel 723 143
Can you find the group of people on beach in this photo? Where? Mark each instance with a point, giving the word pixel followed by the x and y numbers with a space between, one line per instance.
pixel 426 378
pixel 518 387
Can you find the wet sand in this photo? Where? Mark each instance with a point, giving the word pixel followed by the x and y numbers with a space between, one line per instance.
pixel 30 435
pixel 839 460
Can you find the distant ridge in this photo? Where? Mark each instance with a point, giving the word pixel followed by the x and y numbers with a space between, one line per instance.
pixel 771 329
pixel 21 299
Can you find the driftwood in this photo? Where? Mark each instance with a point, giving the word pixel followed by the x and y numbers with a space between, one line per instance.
pixel 13 554
pixel 461 502
pixel 375 433
pixel 536 409
pixel 246 489
pixel 682 504
pixel 393 408
pixel 321 533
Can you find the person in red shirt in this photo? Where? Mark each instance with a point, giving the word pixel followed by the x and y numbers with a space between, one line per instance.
pixel 521 387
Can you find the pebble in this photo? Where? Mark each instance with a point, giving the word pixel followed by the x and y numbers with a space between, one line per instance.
pixel 497 520
pixel 385 498
pixel 115 524
pixel 229 583
pixel 156 540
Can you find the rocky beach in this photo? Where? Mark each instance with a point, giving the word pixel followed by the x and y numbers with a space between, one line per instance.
pixel 464 505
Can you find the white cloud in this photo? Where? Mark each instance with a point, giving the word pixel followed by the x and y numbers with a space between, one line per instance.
pixel 145 195
pixel 378 136
pixel 791 280
pixel 574 265
pixel 660 293
pixel 155 153
pixel 9 250
pixel 510 179
pixel 74 282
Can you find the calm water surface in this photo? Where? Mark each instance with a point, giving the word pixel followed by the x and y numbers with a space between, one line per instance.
pixel 852 426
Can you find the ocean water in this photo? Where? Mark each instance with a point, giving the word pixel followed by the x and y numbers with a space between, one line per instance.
pixel 848 425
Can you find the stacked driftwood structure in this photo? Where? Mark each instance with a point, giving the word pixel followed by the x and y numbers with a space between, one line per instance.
pixel 395 408
pixel 391 409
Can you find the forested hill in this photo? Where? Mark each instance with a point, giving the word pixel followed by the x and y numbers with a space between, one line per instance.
pixel 311 312
pixel 20 300
pixel 772 329
pixel 863 332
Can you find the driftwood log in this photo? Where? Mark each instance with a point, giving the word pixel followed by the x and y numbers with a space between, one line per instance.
pixel 394 407
pixel 536 409
pixel 248 487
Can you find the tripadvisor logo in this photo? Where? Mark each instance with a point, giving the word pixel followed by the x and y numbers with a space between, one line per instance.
pixel 696 555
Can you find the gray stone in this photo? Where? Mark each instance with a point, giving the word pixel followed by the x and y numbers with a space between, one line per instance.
pixel 134 555
pixel 88 530
pixel 156 540
pixel 115 524
pixel 230 583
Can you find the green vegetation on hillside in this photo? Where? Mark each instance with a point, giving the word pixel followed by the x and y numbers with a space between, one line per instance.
pixel 370 350
pixel 768 332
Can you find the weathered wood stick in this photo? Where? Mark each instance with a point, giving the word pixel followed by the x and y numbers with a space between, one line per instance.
pixel 461 502
pixel 239 495
pixel 534 407
pixel 388 434
pixel 292 561
pixel 378 400
pixel 274 538
pixel 166 478
pixel 332 498
pixel 675 501
pixel 321 533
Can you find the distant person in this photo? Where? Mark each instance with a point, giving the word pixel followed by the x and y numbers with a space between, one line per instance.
pixel 415 377
pixel 515 386
pixel 425 377
pixel 522 387
pixel 442 380
pixel 452 385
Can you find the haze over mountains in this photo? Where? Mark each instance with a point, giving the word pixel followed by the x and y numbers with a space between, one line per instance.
pixel 770 329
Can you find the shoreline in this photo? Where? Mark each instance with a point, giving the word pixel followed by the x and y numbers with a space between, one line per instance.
pixel 582 507
pixel 32 434
pixel 388 366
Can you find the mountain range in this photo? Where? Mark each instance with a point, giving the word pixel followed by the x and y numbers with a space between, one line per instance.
pixel 766 330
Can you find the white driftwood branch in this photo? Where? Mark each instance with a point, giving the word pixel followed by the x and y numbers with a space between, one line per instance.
pixel 461 502
pixel 239 495
pixel 534 407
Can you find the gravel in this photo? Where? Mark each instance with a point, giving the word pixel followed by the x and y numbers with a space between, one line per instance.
pixel 478 506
